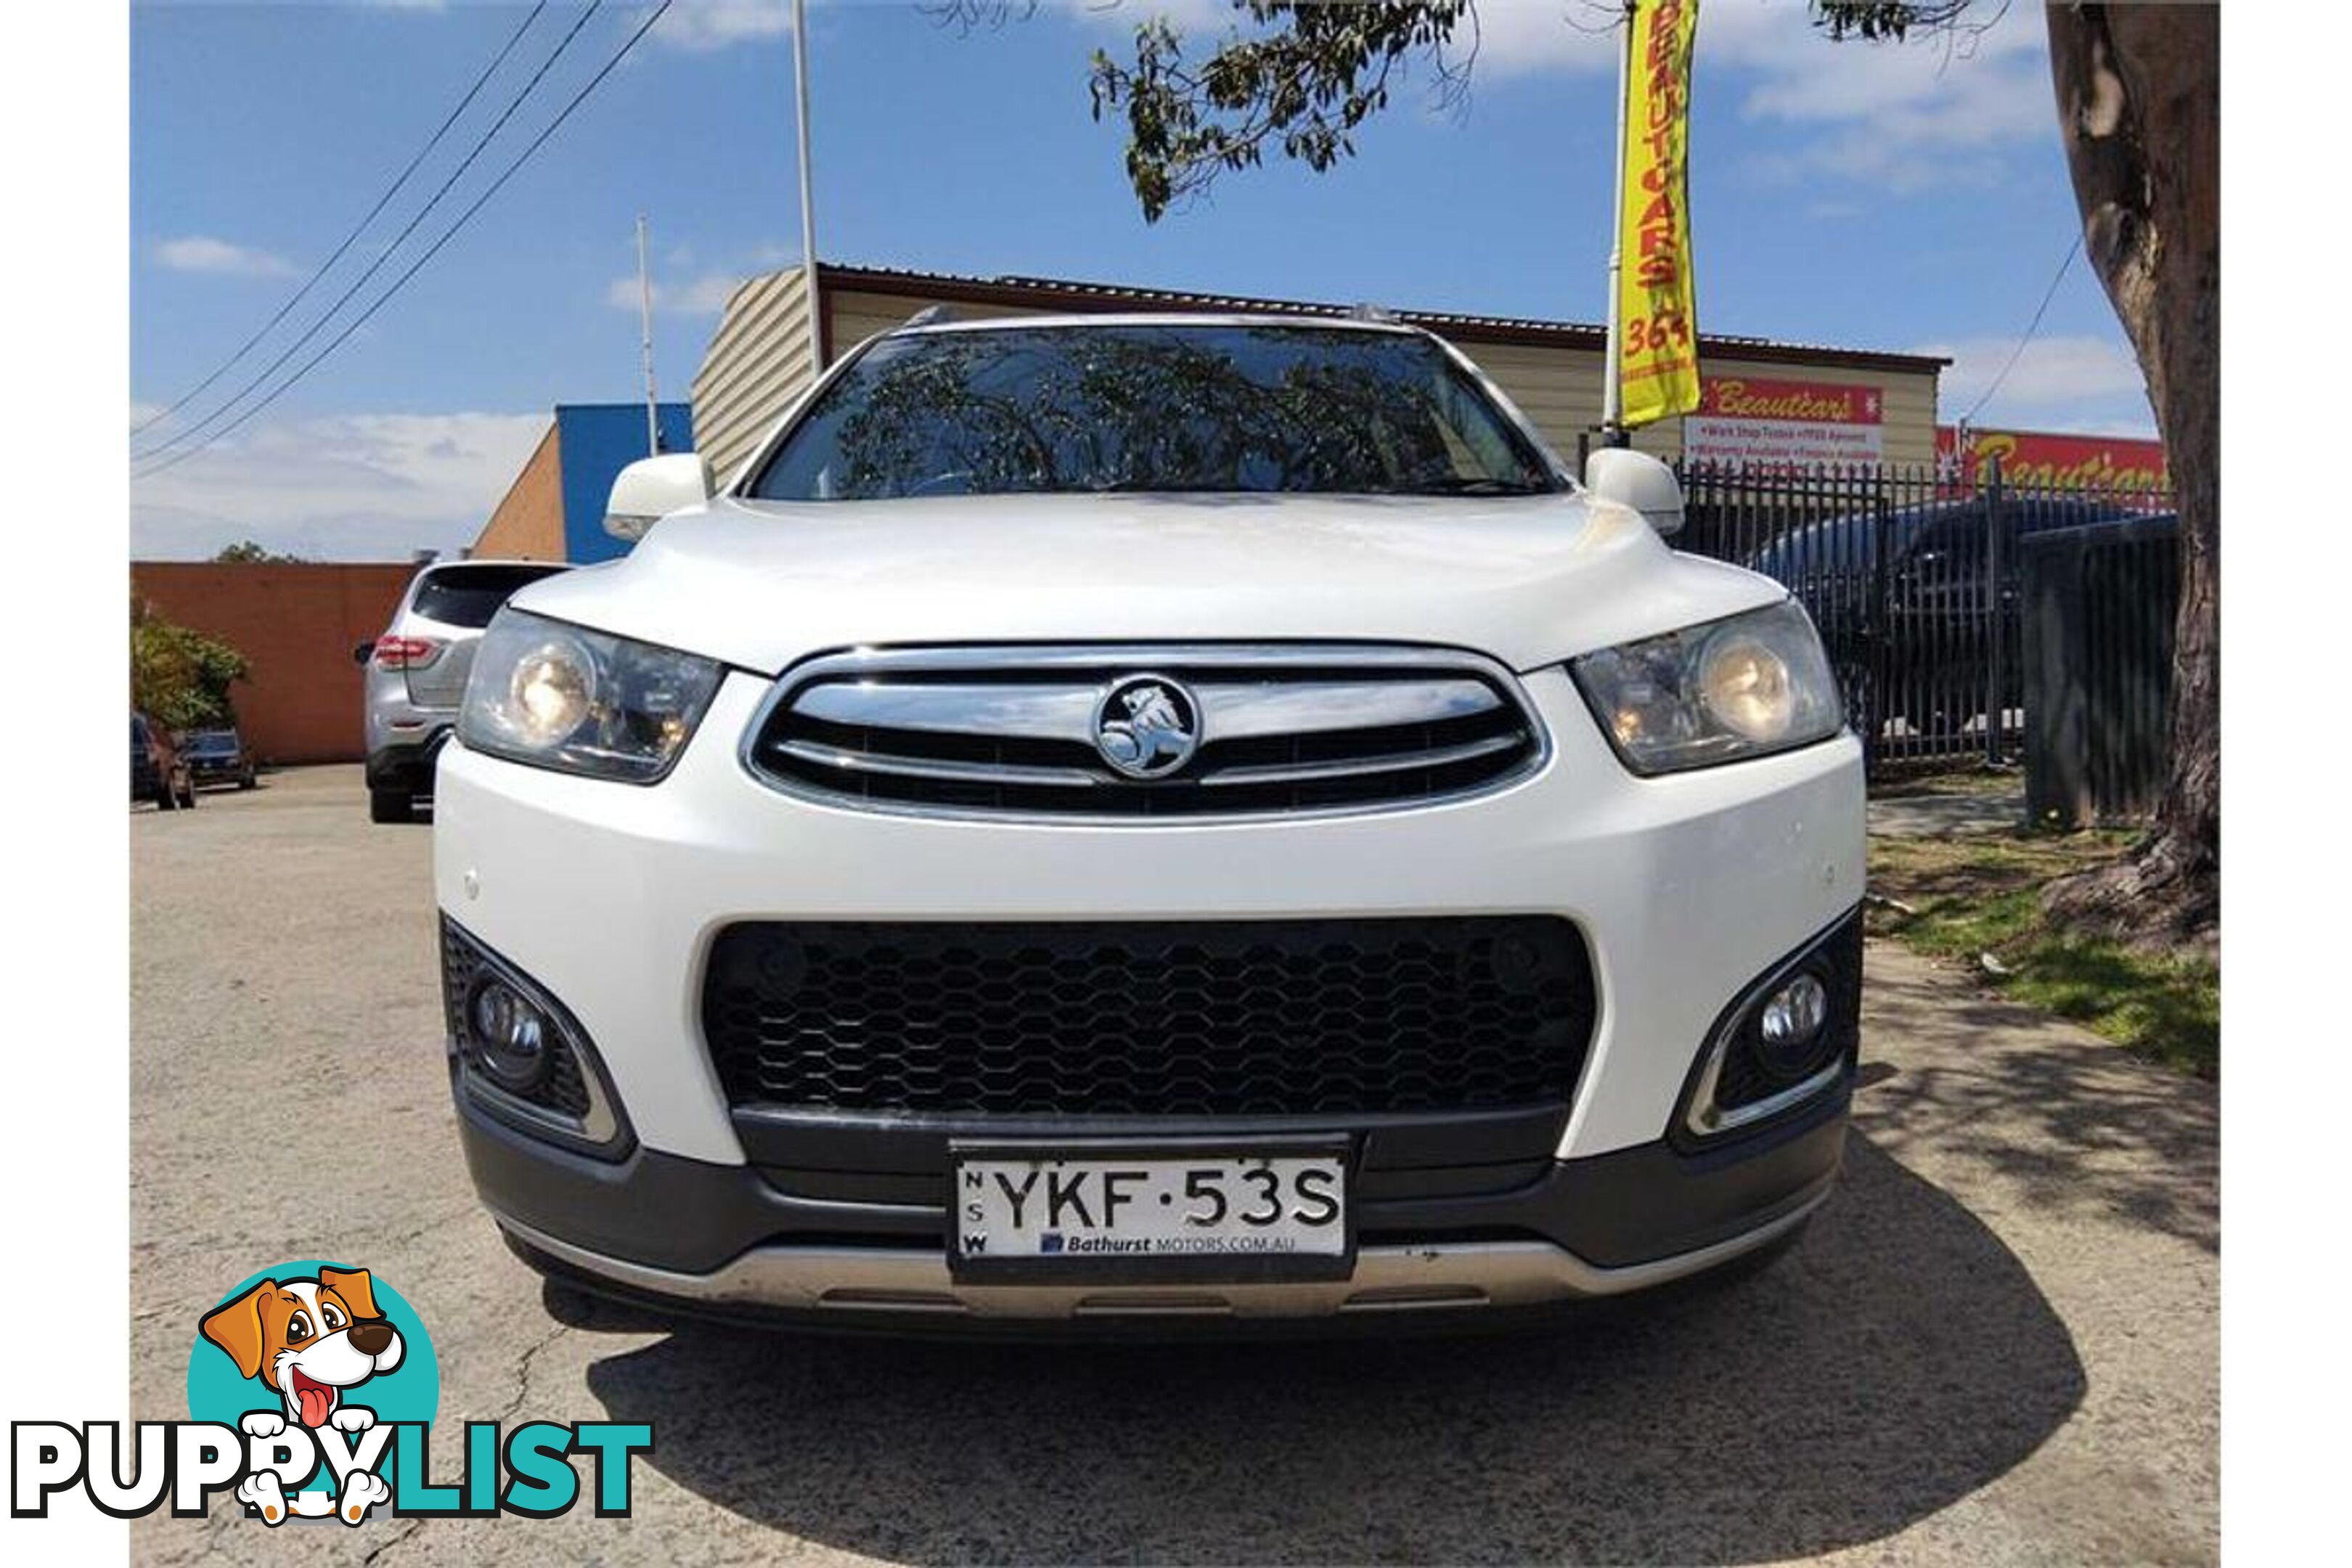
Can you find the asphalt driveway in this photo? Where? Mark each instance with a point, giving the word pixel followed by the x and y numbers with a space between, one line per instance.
pixel 2000 1342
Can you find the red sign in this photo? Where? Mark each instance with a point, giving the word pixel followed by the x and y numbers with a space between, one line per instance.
pixel 1805 401
pixel 1760 421
pixel 2038 458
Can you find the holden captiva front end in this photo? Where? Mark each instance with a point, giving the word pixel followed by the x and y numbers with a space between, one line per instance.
pixel 1149 817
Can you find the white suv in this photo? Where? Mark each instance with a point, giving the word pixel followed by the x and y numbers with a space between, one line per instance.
pixel 1126 815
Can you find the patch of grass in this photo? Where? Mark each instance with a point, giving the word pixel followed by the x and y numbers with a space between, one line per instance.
pixel 1982 894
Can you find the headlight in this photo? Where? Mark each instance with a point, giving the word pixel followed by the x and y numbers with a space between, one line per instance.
pixel 1742 686
pixel 566 698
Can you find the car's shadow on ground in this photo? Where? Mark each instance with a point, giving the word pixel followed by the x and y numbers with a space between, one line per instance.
pixel 1896 1360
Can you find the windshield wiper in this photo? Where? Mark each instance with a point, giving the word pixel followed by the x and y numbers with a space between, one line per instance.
pixel 1472 484
pixel 1163 487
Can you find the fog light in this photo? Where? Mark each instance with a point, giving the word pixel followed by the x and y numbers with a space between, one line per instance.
pixel 509 1036
pixel 1792 1019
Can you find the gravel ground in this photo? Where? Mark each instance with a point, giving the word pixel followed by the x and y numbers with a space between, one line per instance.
pixel 1998 1341
pixel 1948 815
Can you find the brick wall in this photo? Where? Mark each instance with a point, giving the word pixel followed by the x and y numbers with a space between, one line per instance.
pixel 296 625
pixel 528 522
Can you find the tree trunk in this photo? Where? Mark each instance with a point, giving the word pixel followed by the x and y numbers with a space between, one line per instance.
pixel 2139 108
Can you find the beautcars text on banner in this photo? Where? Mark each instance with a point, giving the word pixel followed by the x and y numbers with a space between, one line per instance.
pixel 1755 421
pixel 1657 348
pixel 2055 460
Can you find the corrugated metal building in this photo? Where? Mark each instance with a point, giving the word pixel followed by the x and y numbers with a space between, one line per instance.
pixel 757 363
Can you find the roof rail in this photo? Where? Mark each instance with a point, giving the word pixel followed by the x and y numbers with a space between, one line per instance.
pixel 1367 311
pixel 931 316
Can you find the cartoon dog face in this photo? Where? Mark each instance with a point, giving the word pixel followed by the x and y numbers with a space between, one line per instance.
pixel 308 1340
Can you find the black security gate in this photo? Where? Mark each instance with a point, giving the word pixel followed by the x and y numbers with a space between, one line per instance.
pixel 1912 575
pixel 2099 604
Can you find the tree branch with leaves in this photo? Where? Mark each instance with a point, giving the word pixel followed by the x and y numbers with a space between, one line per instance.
pixel 1305 85
pixel 179 677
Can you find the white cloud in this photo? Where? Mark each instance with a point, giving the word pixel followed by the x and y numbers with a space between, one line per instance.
pixel 1191 17
pixel 703 295
pixel 703 24
pixel 354 487
pixel 1512 36
pixel 1516 36
pixel 681 289
pixel 2085 382
pixel 2140 430
pixel 1907 117
pixel 202 253
pixel 1939 109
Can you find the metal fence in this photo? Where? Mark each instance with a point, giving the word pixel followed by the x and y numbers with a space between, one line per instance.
pixel 2098 611
pixel 1912 575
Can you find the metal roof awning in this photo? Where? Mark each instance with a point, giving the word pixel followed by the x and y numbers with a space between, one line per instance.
pixel 1017 291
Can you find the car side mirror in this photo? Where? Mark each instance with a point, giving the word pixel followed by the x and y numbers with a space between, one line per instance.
pixel 363 652
pixel 652 487
pixel 1638 480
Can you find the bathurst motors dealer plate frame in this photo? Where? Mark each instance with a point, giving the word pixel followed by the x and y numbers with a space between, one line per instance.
pixel 1146 1212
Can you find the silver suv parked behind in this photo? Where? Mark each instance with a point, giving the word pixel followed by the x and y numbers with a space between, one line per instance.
pixel 415 672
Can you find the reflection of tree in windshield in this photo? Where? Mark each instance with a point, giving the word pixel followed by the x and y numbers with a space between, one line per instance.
pixel 1149 408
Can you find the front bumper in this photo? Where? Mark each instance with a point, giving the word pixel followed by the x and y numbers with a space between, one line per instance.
pixel 1685 888
pixel 721 1240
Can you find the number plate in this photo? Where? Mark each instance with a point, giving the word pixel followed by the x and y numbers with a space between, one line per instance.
pixel 1141 1214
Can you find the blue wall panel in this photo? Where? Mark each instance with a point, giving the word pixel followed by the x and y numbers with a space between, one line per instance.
pixel 595 441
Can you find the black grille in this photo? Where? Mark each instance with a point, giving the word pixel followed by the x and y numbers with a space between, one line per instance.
pixel 563 1089
pixel 1226 1018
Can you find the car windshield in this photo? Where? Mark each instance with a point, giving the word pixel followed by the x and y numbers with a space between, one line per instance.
pixel 1153 407
pixel 470 595
pixel 212 745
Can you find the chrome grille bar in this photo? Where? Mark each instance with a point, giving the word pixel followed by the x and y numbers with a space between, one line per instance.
pixel 1394 762
pixel 1306 707
pixel 1062 712
pixel 924 768
pixel 1029 713
pixel 1273 730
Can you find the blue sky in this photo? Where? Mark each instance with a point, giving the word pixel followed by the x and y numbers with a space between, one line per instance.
pixel 1910 198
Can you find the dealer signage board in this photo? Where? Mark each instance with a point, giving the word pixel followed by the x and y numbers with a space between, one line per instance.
pixel 2044 460
pixel 1758 422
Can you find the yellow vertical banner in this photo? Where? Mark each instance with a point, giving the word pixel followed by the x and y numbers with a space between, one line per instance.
pixel 1657 305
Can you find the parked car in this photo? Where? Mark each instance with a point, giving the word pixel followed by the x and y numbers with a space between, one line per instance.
pixel 1169 816
pixel 1913 642
pixel 416 672
pixel 219 756
pixel 158 771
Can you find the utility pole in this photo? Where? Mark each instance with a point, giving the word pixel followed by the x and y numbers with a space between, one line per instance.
pixel 808 196
pixel 1613 375
pixel 646 318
